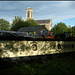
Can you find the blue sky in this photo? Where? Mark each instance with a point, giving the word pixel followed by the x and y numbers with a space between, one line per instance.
pixel 59 11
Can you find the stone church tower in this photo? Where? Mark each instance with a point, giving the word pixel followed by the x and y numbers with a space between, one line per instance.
pixel 29 13
pixel 47 22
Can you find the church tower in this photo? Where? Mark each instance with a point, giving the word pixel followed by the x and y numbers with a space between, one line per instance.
pixel 29 13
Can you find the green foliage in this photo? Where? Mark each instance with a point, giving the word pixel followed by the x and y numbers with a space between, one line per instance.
pixel 73 29
pixel 62 65
pixel 69 30
pixel 30 70
pixel 30 22
pixel 60 28
pixel 17 23
pixel 4 25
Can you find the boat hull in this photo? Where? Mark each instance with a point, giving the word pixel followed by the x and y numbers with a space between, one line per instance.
pixel 9 49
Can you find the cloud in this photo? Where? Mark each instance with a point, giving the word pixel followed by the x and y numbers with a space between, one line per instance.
pixel 36 10
pixel 57 10
pixel 43 7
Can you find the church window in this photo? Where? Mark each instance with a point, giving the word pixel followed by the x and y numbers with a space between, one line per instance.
pixel 31 14
pixel 43 21
pixel 28 13
pixel 51 24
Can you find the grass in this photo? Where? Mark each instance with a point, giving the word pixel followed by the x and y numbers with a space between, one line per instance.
pixel 62 65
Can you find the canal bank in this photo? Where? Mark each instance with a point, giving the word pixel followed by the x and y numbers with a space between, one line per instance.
pixel 57 64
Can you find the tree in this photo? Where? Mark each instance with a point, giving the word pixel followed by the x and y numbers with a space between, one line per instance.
pixel 73 29
pixel 69 29
pixel 4 25
pixel 30 22
pixel 17 23
pixel 59 28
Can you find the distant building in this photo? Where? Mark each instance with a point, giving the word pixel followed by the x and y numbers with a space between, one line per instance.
pixel 47 22
pixel 29 13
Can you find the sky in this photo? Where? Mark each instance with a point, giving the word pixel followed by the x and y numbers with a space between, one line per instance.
pixel 58 11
